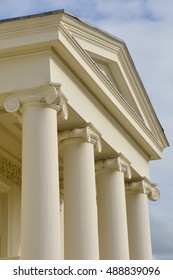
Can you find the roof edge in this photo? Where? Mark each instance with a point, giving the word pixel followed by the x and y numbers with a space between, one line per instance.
pixel 33 16
pixel 54 12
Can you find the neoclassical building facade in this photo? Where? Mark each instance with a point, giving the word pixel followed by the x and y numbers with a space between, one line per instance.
pixel 77 134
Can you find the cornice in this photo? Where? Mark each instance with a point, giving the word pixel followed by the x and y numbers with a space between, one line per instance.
pixel 23 52
pixel 90 35
pixel 107 42
pixel 109 96
pixel 149 113
pixel 28 25
pixel 33 16
pixel 144 186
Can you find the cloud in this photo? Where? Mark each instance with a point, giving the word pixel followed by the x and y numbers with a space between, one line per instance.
pixel 127 11
pixel 13 8
pixel 162 237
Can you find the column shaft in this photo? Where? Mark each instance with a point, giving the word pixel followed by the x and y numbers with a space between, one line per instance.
pixel 40 233
pixel 137 194
pixel 138 227
pixel 81 230
pixel 113 236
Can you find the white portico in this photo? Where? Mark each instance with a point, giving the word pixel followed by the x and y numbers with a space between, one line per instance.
pixel 77 133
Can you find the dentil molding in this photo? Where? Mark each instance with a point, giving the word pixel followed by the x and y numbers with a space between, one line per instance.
pixel 49 93
pixel 144 186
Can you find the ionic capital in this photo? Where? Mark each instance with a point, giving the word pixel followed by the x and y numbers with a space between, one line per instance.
pixel 118 163
pixel 144 186
pixel 49 93
pixel 88 134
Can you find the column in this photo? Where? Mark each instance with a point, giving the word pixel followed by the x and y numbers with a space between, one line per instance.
pixel 137 194
pixel 40 210
pixel 80 209
pixel 113 235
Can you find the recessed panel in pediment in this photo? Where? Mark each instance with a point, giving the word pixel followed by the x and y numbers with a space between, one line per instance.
pixel 113 74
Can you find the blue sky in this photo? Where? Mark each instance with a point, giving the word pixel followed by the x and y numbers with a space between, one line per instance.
pixel 146 27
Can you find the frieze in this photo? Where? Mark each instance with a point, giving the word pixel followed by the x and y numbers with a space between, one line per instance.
pixel 10 171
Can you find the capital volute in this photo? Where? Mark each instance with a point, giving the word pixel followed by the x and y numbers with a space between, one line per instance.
pixel 49 94
pixel 144 186
pixel 87 133
pixel 118 163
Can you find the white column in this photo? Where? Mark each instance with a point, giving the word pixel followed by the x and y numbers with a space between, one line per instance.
pixel 40 221
pixel 113 235
pixel 80 209
pixel 137 194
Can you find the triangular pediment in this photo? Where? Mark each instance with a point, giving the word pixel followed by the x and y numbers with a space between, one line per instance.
pixel 111 57
pixel 117 73
pixel 98 62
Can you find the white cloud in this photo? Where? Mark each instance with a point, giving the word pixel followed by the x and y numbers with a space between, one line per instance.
pixel 162 237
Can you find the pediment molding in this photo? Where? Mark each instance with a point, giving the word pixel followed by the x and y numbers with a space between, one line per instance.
pixel 74 41
pixel 118 59
pixel 140 108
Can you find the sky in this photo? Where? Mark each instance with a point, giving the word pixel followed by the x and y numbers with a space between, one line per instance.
pixel 146 28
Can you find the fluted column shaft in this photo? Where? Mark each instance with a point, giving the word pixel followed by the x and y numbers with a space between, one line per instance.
pixel 80 210
pixel 113 235
pixel 138 218
pixel 40 215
